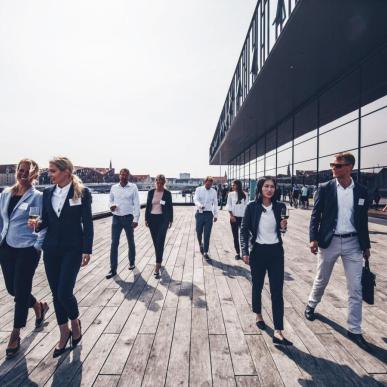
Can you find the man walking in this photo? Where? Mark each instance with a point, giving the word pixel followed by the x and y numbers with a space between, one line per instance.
pixel 339 227
pixel 124 203
pixel 206 203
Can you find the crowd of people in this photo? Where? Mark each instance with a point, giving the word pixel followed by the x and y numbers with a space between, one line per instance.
pixel 58 222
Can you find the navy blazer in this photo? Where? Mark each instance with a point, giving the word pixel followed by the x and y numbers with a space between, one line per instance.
pixel 73 229
pixel 167 208
pixel 323 221
pixel 250 223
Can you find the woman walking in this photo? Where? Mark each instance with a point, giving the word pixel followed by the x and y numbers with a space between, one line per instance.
pixel 159 217
pixel 262 225
pixel 68 244
pixel 236 205
pixel 20 248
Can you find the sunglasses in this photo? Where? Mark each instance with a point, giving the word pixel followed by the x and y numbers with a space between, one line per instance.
pixel 338 166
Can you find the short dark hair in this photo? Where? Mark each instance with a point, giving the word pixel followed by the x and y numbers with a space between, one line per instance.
pixel 260 183
pixel 348 157
pixel 126 170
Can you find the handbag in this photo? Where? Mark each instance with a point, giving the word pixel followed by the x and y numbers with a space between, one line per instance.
pixel 368 283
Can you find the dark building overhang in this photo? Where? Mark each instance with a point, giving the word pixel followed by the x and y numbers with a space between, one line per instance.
pixel 321 41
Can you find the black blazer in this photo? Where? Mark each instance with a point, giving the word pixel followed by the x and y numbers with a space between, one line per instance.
pixel 323 221
pixel 73 229
pixel 250 223
pixel 167 208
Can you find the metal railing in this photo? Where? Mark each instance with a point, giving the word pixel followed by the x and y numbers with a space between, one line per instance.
pixel 268 21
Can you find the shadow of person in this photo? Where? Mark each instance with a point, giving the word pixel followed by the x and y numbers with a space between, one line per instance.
pixel 230 271
pixel 17 375
pixel 69 373
pixel 325 372
pixel 374 350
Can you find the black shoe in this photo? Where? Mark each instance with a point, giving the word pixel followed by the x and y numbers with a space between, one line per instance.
pixel 201 249
pixel 358 339
pixel 283 341
pixel 43 310
pixel 11 352
pixel 309 313
pixel 206 256
pixel 157 274
pixel 76 341
pixel 237 257
pixel 60 351
pixel 131 266
pixel 111 274
pixel 261 325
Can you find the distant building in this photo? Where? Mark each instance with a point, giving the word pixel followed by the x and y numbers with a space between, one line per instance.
pixel 184 175
pixel 7 174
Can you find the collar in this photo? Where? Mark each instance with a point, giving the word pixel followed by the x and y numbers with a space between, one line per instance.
pixel 349 187
pixel 267 209
pixel 64 190
pixel 125 186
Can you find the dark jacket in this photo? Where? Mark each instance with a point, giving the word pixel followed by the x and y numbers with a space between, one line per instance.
pixel 250 222
pixel 323 221
pixel 167 208
pixel 73 229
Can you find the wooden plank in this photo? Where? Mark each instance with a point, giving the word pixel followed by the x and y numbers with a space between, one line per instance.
pixel 106 381
pixel 247 381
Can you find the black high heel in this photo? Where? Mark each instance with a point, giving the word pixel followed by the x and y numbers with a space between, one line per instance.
pixel 283 341
pixel 44 309
pixel 60 351
pixel 75 342
pixel 11 352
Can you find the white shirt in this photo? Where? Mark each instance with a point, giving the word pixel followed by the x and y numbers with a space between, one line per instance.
pixel 126 199
pixel 207 198
pixel 237 209
pixel 304 191
pixel 59 197
pixel 267 228
pixel 345 214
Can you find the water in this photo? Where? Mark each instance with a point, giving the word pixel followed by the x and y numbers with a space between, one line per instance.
pixel 101 200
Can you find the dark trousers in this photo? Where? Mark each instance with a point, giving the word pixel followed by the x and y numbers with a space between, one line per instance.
pixel 235 228
pixel 18 266
pixel 268 258
pixel 62 268
pixel 118 224
pixel 158 229
pixel 204 222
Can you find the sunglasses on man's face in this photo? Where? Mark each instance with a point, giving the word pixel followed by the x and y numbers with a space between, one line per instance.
pixel 338 166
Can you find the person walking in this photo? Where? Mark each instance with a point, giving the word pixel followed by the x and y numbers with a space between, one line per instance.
pixel 124 203
pixel 159 217
pixel 262 226
pixel 206 203
pixel 304 197
pixel 339 227
pixel 236 205
pixel 20 248
pixel 67 247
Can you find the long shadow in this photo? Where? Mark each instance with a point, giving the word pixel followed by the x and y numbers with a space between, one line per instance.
pixel 230 271
pixel 325 372
pixel 70 366
pixel 375 351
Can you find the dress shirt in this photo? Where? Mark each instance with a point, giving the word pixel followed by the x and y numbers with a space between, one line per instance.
pixel 59 197
pixel 345 214
pixel 126 199
pixel 304 191
pixel 237 209
pixel 267 228
pixel 207 198
pixel 156 203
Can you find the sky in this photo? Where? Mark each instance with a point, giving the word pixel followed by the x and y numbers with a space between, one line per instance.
pixel 138 82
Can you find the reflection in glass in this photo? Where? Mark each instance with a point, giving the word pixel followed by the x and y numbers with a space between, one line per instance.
pixel 340 121
pixel 379 103
pixel 374 127
pixel 284 157
pixel 374 157
pixel 305 173
pixel 306 150
pixel 270 162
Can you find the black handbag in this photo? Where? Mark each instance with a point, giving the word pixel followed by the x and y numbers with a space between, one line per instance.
pixel 368 283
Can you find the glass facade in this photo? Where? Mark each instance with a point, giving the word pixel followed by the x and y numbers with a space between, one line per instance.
pixel 300 148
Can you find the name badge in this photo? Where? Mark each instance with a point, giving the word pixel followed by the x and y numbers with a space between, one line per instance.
pixel 162 202
pixel 361 202
pixel 76 202
pixel 23 206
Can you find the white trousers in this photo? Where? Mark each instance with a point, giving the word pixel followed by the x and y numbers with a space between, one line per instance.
pixel 349 251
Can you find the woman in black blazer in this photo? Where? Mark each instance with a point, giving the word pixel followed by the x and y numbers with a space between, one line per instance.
pixel 159 217
pixel 262 225
pixel 68 244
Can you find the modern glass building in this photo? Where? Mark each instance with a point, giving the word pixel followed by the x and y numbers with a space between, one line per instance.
pixel 311 81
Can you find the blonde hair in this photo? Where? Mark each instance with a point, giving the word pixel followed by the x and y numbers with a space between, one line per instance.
pixel 209 178
pixel 32 176
pixel 161 177
pixel 64 164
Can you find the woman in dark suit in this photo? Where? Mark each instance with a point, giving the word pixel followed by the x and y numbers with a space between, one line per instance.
pixel 68 244
pixel 159 217
pixel 262 224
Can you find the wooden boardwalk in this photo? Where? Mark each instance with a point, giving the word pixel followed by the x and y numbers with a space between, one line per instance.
pixel 195 326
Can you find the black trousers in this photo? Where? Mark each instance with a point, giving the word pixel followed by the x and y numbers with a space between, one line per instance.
pixel 204 223
pixel 235 228
pixel 62 268
pixel 268 258
pixel 18 266
pixel 158 229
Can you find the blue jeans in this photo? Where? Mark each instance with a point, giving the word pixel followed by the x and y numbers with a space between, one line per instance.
pixel 203 226
pixel 119 223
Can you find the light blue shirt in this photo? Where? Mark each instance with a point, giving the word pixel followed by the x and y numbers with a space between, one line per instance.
pixel 14 229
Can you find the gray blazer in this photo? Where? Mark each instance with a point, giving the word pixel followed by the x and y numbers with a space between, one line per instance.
pixel 14 229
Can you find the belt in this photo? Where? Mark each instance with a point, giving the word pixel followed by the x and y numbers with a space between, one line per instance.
pixel 349 235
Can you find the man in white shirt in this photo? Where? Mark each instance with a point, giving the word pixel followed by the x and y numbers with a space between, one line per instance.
pixel 124 203
pixel 206 202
